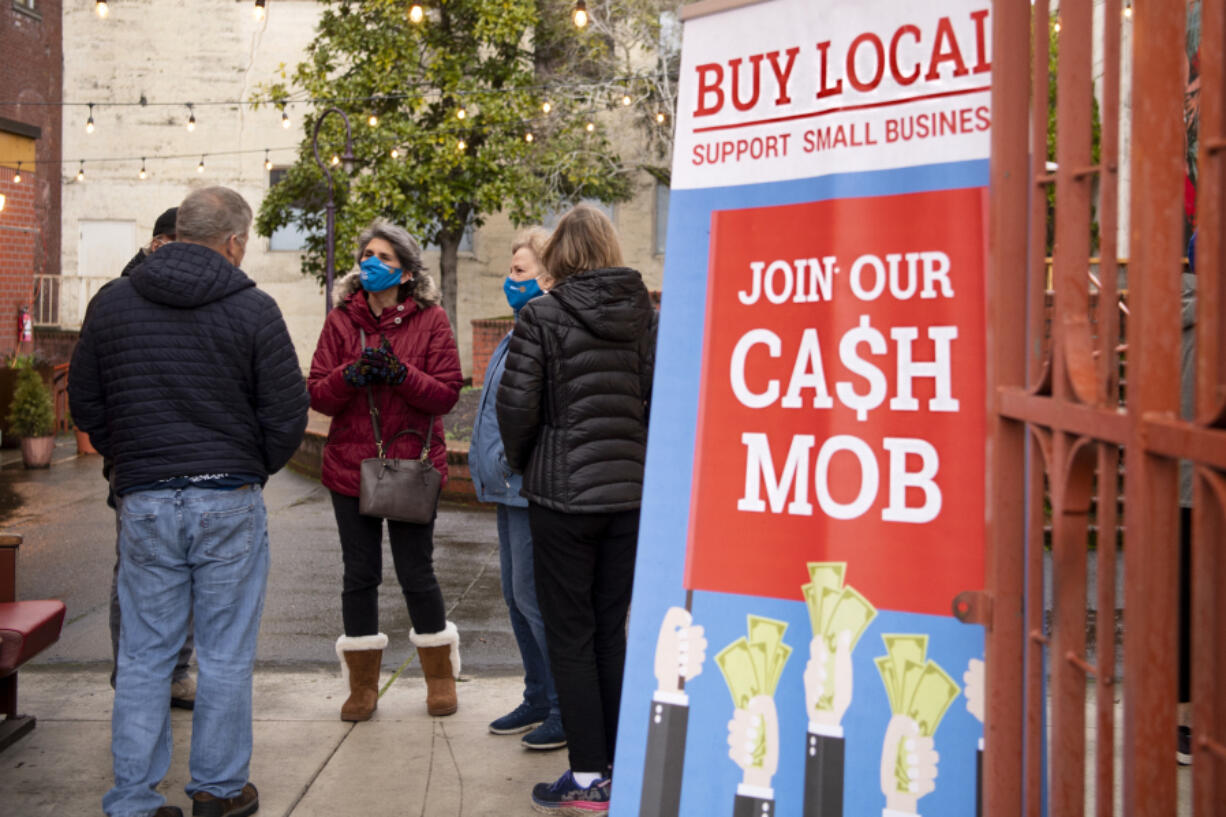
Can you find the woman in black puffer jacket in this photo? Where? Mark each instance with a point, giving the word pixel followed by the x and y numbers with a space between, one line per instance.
pixel 572 408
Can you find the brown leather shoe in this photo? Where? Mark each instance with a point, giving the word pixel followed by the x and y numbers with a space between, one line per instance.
pixel 244 803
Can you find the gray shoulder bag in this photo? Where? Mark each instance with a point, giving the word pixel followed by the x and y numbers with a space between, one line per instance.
pixel 400 489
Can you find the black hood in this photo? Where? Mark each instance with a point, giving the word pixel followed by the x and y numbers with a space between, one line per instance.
pixel 611 303
pixel 187 275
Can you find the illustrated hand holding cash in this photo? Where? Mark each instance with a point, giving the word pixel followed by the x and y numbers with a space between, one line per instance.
pixel 821 684
pixel 752 667
pixel 681 649
pixel 920 693
pixel 753 741
pixel 839 615
pixel 973 688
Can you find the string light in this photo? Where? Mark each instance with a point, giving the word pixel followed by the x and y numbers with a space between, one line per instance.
pixel 626 100
pixel 259 10
pixel 142 174
pixel 1057 26
pixel 200 167
pixel 580 15
pixel 395 153
pixel 528 137
pixel 336 160
pixel 461 113
pixel 267 161
pixel 191 118
pixel 546 107
pixel 373 120
pixel 660 118
pixel 89 123
pixel 285 123
pixel 590 126
pixel 461 146
pixel 81 172
pixel 17 177
pixel 1128 9
pixel 416 13
pixel 100 7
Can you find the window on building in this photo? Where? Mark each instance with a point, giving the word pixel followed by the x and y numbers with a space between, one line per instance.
pixel 291 237
pixel 28 6
pixel 661 220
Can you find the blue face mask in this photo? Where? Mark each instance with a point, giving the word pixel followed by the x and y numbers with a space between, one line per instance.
pixel 377 276
pixel 520 292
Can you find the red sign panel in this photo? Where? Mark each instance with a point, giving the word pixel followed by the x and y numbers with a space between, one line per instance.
pixel 841 415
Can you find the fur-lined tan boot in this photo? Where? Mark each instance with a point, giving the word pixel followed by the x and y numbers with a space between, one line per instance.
pixel 360 659
pixel 439 654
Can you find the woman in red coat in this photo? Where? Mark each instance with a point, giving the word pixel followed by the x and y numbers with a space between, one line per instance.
pixel 410 363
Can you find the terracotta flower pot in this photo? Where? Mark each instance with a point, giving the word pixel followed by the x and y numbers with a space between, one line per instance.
pixel 36 451
pixel 84 446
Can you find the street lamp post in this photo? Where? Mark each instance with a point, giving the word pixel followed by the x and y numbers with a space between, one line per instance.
pixel 330 209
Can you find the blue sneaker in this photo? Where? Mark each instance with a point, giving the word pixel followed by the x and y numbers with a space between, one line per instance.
pixel 564 796
pixel 548 735
pixel 520 719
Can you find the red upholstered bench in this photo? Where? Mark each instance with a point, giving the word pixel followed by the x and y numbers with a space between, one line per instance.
pixel 26 629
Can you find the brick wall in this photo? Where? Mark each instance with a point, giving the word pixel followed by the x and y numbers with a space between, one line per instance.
pixel 33 75
pixel 487 332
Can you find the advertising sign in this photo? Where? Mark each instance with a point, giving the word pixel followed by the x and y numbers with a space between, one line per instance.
pixel 814 496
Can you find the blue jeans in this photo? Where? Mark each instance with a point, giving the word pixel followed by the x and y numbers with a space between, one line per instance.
pixel 186 549
pixel 519 591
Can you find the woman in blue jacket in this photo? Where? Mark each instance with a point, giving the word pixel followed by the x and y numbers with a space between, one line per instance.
pixel 495 482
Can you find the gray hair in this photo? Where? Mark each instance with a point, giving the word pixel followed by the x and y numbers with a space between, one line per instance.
pixel 533 238
pixel 406 248
pixel 210 215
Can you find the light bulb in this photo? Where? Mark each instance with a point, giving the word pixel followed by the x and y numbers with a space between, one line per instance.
pixel 258 11
pixel 1057 26
pixel 660 118
pixel 395 153
pixel 546 107
pixel 580 16
pixel 373 121
pixel 191 119
pixel 461 146
pixel 285 120
pixel 626 100
pixel 101 8
pixel 17 176
pixel 200 167
pixel 142 174
pixel 461 113
pixel 590 126
pixel 1128 11
pixel 336 160
pixel 89 125
pixel 528 137
pixel 267 161
pixel 416 14
pixel 81 172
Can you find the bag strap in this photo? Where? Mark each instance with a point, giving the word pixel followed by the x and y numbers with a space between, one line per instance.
pixel 374 421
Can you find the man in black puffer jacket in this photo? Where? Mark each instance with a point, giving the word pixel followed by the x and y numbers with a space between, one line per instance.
pixel 572 409
pixel 186 379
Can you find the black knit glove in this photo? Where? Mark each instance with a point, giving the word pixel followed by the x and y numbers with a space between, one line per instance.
pixel 384 364
pixel 359 374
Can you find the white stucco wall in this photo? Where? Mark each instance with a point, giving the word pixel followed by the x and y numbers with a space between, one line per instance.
pixel 210 50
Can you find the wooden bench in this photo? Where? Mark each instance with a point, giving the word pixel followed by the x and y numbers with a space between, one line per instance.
pixel 26 629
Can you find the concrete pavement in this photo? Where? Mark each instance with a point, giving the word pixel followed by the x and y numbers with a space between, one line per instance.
pixel 306 761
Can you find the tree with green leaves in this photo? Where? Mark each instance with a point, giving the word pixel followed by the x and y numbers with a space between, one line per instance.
pixel 480 107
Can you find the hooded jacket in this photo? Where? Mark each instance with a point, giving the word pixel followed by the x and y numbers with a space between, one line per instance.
pixel 573 403
pixel 185 368
pixel 421 338
pixel 493 478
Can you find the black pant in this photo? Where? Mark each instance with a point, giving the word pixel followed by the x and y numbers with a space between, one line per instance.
pixel 584 565
pixel 362 552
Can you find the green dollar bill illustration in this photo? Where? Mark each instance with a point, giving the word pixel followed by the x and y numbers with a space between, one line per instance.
pixel 827 600
pixel 827 574
pixel 768 632
pixel 933 694
pixel 761 661
pixel 814 607
pixel 782 653
pixel 852 612
pixel 736 665
pixel 889 677
pixel 904 647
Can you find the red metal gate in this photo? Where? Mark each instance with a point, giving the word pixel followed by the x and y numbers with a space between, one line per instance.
pixel 1063 427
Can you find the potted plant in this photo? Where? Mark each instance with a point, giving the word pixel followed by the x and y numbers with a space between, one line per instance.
pixel 32 417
